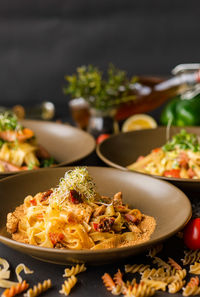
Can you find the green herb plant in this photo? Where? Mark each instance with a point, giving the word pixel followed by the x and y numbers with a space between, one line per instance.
pixel 101 93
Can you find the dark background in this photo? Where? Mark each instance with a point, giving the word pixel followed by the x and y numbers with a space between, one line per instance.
pixel 41 41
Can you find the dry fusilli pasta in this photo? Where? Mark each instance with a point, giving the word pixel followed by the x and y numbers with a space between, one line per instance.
pixel 174 264
pixel 68 285
pixel 14 290
pixel 181 274
pixel 152 273
pixel 195 269
pixel 160 263
pixel 176 286
pixel 110 285
pixel 189 291
pixel 192 287
pixel 38 289
pixel 140 290
pixel 157 285
pixel 191 257
pixel 135 268
pixel 74 270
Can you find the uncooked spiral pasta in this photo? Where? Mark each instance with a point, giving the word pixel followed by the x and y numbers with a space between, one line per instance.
pixel 157 285
pixel 161 263
pixel 38 289
pixel 181 274
pixel 135 268
pixel 191 257
pixel 191 291
pixel 110 284
pixel 153 273
pixel 174 264
pixel 192 287
pixel 176 286
pixel 74 270
pixel 140 290
pixel 68 285
pixel 195 269
pixel 14 290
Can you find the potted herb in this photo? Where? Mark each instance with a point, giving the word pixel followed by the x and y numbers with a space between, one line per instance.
pixel 103 93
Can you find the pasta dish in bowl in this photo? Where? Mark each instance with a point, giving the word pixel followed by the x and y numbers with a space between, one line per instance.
pixel 19 149
pixel 178 158
pixel 75 228
pixel 74 216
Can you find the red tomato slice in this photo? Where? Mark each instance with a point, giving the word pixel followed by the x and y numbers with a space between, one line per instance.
pixel 101 138
pixel 156 150
pixel 191 234
pixel 172 173
pixel 33 201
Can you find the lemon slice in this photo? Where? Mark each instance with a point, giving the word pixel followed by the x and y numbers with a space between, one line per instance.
pixel 138 122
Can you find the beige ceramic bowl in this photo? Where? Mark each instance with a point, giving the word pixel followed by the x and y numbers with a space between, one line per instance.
pixel 170 207
pixel 65 143
pixel 123 149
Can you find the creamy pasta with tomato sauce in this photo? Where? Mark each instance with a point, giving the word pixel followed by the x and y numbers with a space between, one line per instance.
pixel 75 216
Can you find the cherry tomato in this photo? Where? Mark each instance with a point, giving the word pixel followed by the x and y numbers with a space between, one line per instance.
pixel 156 150
pixel 102 137
pixel 172 173
pixel 191 234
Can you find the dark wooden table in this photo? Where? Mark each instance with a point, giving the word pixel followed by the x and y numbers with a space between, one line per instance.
pixel 90 282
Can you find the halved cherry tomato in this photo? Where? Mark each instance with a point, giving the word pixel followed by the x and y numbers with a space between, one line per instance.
pixel 172 173
pixel 33 201
pixel 156 150
pixel 101 138
pixel 191 234
pixel 56 237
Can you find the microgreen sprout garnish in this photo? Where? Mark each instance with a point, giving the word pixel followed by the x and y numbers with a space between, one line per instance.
pixel 184 141
pixel 8 121
pixel 77 180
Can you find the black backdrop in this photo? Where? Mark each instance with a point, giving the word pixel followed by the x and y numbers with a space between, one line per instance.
pixel 40 41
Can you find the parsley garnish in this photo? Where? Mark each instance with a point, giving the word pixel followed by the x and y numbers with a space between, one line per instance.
pixel 184 141
pixel 8 121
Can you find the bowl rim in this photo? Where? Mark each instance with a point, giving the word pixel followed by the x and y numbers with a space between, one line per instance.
pixel 90 137
pixel 150 242
pixel 115 165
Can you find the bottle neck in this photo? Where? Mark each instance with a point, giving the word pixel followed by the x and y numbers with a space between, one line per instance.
pixel 183 79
